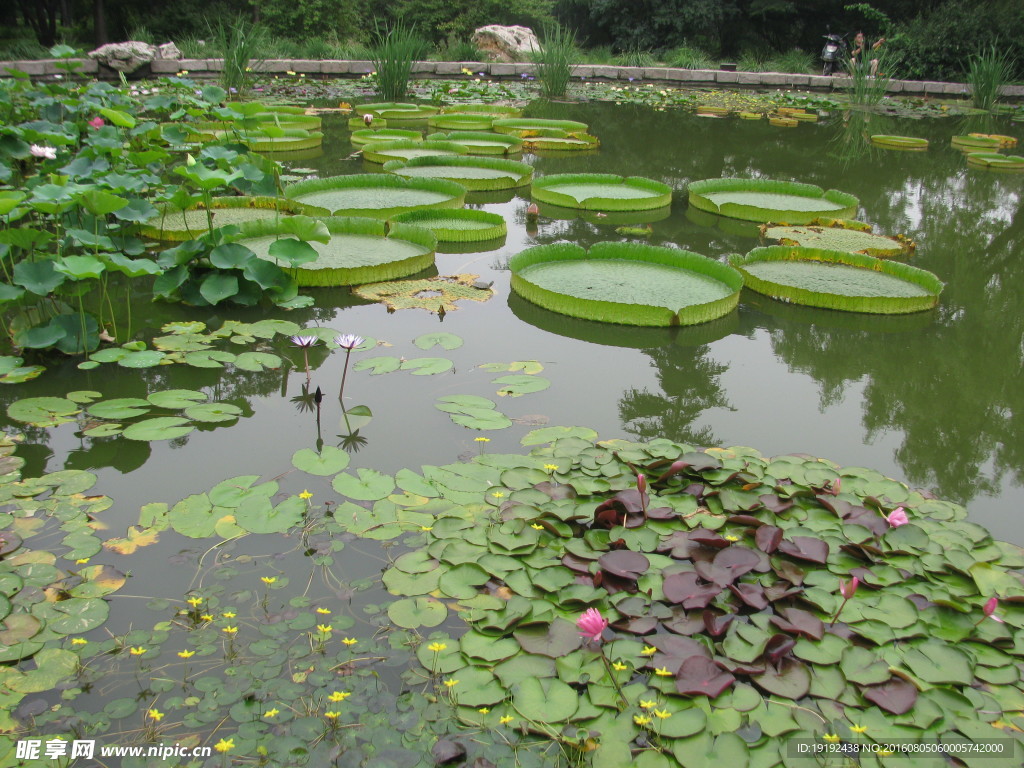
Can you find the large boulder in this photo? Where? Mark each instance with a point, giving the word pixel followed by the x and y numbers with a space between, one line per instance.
pixel 125 57
pixel 506 44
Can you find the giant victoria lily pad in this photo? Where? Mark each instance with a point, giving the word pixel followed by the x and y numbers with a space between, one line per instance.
pixel 382 152
pixel 838 280
pixel 374 194
pixel 461 122
pixel 767 200
pixel 379 136
pixel 177 225
pixel 474 173
pixel 601 192
pixel 626 283
pixel 853 237
pixel 482 142
pixel 464 225
pixel 995 162
pixel 534 126
pixel 359 250
pixel 396 111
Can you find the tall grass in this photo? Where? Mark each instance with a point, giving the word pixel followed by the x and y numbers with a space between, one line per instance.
pixel 686 57
pixel 456 49
pixel 635 57
pixel 393 50
pixel 243 44
pixel 867 89
pixel 555 60
pixel 987 72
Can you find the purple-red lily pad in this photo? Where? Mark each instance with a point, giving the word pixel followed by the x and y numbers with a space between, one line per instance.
pixel 624 563
pixel 751 594
pixel 799 622
pixel 896 696
pixel 700 675
pixel 728 565
pixel 806 548
pixel 768 538
pixel 686 589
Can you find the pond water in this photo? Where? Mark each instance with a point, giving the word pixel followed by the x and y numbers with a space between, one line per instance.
pixel 933 399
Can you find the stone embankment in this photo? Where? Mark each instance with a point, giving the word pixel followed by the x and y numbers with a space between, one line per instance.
pixel 721 78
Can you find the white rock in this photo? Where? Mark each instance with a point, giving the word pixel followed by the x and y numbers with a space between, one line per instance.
pixel 125 57
pixel 168 51
pixel 506 43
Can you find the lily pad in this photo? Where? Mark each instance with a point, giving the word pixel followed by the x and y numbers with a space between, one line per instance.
pixel 766 200
pixel 377 195
pixel 414 612
pixel 159 428
pixel 602 192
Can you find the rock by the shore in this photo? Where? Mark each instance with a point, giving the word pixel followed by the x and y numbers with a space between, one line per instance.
pixel 506 44
pixel 125 57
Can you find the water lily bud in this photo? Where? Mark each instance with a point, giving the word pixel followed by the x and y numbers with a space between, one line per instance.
pixel 847 589
pixel 189 160
pixel 898 517
pixel 641 483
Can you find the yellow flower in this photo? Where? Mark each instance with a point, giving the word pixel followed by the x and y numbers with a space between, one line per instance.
pixel 195 602
pixel 436 647
pixel 732 538
pixel 481 439
pixel 230 630
pixel 272 712
pixel 268 579
pixel 82 561
pixel 858 728
pixel 497 494
pixel 78 641
pixel 649 650
pixel 324 628
pixel 186 654
pixel 323 610
pixel 349 641
pixel 155 714
pixel 662 672
pixel 305 494
pixel 137 651
pixel 289 72
pixel 229 614
pixel 831 738
pixel 537 527
pixel 505 719
pixel 662 713
pixel 338 696
pixel 451 682
pixel 332 715
pixel 206 617
pixel 618 666
pixel 647 704
pixel 551 467
pixel 224 745
pixel 426 527
pixel 483 710
pixel 641 719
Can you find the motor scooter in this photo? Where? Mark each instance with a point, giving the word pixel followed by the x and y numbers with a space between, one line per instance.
pixel 834 54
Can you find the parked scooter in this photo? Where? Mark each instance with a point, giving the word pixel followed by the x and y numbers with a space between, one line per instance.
pixel 834 54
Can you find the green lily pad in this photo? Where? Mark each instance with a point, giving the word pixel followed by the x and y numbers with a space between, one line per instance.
pixel 369 486
pixel 329 461
pixel 213 413
pixel 439 339
pixel 159 428
pixel 176 398
pixel 43 411
pixel 473 411
pixel 545 700
pixel 120 408
pixel 414 612
pixel 521 384
pixel 146 358
pixel 427 366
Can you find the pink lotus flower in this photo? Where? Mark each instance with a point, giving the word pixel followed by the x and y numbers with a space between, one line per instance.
pixel 847 589
pixel 898 517
pixel 97 122
pixel 592 624
pixel 49 153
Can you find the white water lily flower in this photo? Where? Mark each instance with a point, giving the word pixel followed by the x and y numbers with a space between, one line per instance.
pixel 348 341
pixel 50 153
pixel 304 341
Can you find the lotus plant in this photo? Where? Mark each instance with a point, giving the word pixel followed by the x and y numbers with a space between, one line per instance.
pixel 348 342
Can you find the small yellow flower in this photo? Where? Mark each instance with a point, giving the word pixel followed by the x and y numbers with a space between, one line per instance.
pixel 305 495
pixel 224 745
pixel 662 672
pixel 82 561
pixel 484 711
pixel 230 630
pixel 662 713
pixel 229 614
pixel 649 650
pixel 338 696
pixel 155 714
pixel 325 628
pixel 858 728
pixel 78 641
pixel 426 527
pixel 195 602
pixel 618 666
pixel 272 712
pixel 732 538
pixel 323 610
pixel 206 617
pixel 641 719
pixel 302 75
pixel 186 654
pixel 289 72
pixel 332 715
pixel 551 467
pixel 537 526
pixel 349 641
pixel 481 439
pixel 268 579
pixel 498 494
pixel 451 682
pixel 831 738
pixel 505 719
pixel 647 704
pixel 137 651
pixel 436 647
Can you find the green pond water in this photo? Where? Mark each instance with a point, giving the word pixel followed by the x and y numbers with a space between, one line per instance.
pixel 932 399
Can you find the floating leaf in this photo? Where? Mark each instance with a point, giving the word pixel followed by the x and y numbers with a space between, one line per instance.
pixel 440 339
pixel 514 386
pixel 473 412
pixel 137 537
pixel 176 398
pixel 213 412
pixel 369 486
pixel 426 366
pixel 43 411
pixel 329 461
pixel 545 700
pixel 119 408
pixel 413 612
pixel 378 365
pixel 159 428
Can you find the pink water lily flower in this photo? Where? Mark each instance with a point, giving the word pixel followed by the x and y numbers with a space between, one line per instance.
pixel 592 624
pixel 97 122
pixel 989 609
pixel 898 517
pixel 847 589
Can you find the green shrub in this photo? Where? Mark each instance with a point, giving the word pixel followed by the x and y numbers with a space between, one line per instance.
pixel 635 57
pixel 686 57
